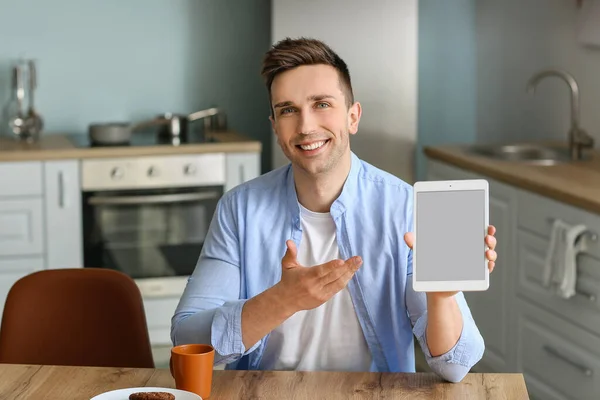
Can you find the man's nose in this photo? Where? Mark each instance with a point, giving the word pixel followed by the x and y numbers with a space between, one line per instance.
pixel 307 123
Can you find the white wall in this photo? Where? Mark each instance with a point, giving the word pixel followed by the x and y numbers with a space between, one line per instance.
pixel 378 41
pixel 516 38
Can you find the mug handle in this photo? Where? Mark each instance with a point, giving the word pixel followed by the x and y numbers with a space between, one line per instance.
pixel 171 367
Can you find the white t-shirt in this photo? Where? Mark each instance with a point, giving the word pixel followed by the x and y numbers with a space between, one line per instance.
pixel 326 338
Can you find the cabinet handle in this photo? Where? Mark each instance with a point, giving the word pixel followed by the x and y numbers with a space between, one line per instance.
pixel 152 199
pixel 582 368
pixel 61 190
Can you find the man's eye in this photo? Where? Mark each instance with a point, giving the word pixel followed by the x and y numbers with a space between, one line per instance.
pixel 322 105
pixel 286 110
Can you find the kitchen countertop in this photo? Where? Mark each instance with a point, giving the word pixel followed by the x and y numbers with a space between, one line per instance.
pixel 575 183
pixel 57 146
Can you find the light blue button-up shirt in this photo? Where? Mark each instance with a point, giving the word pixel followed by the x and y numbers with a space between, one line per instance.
pixel 241 258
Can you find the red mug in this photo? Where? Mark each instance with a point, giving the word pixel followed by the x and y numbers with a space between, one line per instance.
pixel 192 368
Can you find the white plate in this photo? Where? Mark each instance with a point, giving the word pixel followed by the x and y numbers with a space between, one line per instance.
pixel 123 394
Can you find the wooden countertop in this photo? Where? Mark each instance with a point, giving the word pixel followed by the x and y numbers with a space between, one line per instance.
pixel 574 183
pixel 19 382
pixel 56 146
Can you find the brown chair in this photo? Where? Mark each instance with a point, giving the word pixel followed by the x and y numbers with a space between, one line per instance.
pixel 81 317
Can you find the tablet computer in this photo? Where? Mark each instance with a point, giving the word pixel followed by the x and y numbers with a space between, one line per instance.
pixel 450 225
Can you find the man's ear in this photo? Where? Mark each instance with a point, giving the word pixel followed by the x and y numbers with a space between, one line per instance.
pixel 354 113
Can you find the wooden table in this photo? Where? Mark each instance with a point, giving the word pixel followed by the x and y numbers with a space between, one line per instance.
pixel 72 383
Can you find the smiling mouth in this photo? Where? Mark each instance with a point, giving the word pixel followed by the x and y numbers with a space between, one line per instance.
pixel 312 146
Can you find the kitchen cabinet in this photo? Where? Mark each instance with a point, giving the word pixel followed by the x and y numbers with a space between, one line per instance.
pixel 21 226
pixel 241 167
pixel 40 219
pixel 159 311
pixel 14 268
pixel 62 206
pixel 559 361
pixel 527 328
pixel 491 308
pixel 41 223
pixel 21 179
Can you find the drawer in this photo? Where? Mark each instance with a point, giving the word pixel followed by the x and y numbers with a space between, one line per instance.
pixel 159 311
pixel 160 336
pixel 582 309
pixel 20 179
pixel 558 360
pixel 535 214
pixel 21 227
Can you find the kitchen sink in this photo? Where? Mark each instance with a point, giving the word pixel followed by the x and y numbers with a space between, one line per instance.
pixel 525 153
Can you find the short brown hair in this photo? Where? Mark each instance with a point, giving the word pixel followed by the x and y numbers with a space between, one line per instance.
pixel 289 53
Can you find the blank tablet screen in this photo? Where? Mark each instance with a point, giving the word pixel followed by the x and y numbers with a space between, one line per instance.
pixel 450 236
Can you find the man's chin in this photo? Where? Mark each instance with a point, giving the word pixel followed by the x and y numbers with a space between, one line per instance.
pixel 313 167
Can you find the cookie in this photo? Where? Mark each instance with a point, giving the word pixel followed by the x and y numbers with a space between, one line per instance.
pixel 151 396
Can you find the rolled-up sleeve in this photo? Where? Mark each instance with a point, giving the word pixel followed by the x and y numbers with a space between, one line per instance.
pixel 454 365
pixel 210 309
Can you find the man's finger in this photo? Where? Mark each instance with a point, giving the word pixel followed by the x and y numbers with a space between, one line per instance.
pixel 491 241
pixel 409 238
pixel 491 230
pixel 338 284
pixel 334 269
pixel 354 262
pixel 330 271
pixel 322 271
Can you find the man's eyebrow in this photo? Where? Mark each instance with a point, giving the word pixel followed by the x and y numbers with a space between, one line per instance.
pixel 283 104
pixel 319 97
pixel 315 97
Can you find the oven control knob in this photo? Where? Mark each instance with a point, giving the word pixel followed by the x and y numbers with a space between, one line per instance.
pixel 189 169
pixel 152 172
pixel 116 173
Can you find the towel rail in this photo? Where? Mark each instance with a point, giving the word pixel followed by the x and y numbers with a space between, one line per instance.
pixel 591 234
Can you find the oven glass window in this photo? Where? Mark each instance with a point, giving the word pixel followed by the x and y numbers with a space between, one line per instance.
pixel 149 233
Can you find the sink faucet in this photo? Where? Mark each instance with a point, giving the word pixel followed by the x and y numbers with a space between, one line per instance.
pixel 578 138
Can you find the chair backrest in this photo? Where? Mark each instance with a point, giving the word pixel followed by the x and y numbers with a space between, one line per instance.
pixel 80 316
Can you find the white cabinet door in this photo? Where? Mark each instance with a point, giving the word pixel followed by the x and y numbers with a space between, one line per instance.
pixel 13 269
pixel 21 227
pixel 241 167
pixel 492 309
pixel 559 360
pixel 63 228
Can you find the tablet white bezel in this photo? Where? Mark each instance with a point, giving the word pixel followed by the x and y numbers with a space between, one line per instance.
pixel 450 186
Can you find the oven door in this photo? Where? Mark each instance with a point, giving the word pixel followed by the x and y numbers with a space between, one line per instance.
pixel 153 235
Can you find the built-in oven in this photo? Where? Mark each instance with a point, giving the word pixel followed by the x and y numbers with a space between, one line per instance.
pixel 148 216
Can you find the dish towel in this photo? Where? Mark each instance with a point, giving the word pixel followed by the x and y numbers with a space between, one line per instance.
pixel 560 269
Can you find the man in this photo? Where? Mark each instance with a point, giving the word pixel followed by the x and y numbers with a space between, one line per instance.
pixel 309 267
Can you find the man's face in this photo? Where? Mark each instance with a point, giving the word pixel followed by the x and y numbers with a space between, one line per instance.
pixel 311 119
